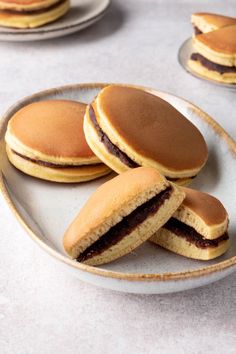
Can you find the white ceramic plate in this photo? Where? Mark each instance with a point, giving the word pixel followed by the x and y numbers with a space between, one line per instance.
pixel 45 209
pixel 82 14
pixel 184 54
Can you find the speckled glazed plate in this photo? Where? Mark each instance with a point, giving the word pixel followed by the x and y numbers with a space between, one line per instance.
pixel 82 13
pixel 45 209
pixel 184 54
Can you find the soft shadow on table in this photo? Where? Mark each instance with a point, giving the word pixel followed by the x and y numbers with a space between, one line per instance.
pixel 107 26
pixel 196 302
pixel 110 23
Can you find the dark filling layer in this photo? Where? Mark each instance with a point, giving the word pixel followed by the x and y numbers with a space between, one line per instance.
pixel 196 30
pixel 47 164
pixel 33 12
pixel 222 69
pixel 114 150
pixel 178 179
pixel 126 225
pixel 191 235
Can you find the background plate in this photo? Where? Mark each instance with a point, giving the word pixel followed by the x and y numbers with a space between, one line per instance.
pixel 184 54
pixel 81 14
pixel 45 209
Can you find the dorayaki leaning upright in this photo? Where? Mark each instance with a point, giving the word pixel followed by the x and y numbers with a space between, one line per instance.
pixel 128 127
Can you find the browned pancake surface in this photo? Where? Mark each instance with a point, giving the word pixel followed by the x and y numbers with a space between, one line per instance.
pixel 206 206
pixel 54 128
pixel 222 40
pixel 114 195
pixel 153 128
pixel 24 2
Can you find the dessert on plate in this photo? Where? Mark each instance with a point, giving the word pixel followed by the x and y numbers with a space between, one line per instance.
pixel 152 147
pixel 214 53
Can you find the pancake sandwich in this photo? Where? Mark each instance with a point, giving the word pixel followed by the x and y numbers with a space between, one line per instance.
pixel 46 140
pixel 31 13
pixel 121 214
pixel 214 45
pixel 128 127
pixel 198 229
pixel 204 22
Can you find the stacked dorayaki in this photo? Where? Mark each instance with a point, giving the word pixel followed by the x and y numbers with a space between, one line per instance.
pixel 214 45
pixel 31 13
pixel 155 151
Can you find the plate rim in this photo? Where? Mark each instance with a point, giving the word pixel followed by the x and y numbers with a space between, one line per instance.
pixel 198 76
pixel 160 277
pixel 42 30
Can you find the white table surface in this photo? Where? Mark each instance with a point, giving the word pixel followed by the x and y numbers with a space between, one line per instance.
pixel 45 311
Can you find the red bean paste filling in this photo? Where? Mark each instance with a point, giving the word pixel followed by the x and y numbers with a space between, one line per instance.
pixel 33 12
pixel 114 150
pixel 222 69
pixel 197 30
pixel 126 225
pixel 50 164
pixel 191 235
pixel 54 165
pixel 178 179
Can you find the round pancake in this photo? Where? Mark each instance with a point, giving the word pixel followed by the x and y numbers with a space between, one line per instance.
pixel 207 22
pixel 26 5
pixel 148 130
pixel 51 131
pixel 218 46
pixel 16 19
pixel 63 175
pixel 229 78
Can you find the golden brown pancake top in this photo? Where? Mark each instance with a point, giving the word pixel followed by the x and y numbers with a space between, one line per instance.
pixel 153 128
pixel 54 128
pixel 206 206
pixel 222 40
pixel 217 20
